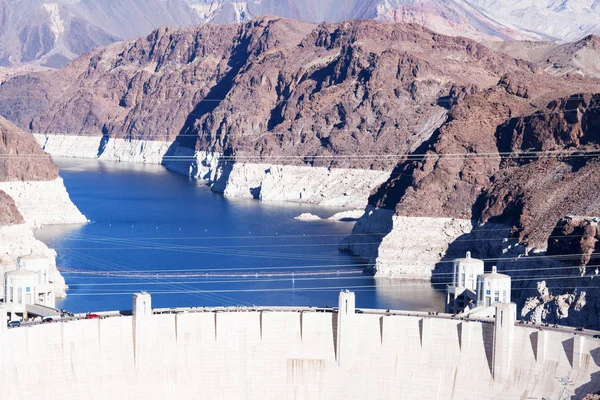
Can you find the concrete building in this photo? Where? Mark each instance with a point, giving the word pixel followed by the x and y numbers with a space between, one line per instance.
pixel 44 293
pixel 28 286
pixel 471 287
pixel 463 292
pixel 493 288
pixel 19 287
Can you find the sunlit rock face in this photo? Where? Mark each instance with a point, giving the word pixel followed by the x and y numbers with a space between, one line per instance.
pixel 50 34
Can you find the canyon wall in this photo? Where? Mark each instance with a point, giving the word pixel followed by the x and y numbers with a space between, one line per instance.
pixel 275 109
pixel 341 187
pixel 404 247
pixel 31 195
pixel 43 202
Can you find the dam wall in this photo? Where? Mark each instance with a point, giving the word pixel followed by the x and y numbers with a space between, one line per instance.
pixel 303 354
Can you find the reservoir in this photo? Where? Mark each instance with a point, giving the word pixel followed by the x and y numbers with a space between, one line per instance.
pixel 163 233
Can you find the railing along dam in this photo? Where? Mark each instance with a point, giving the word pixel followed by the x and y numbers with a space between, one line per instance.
pixel 295 353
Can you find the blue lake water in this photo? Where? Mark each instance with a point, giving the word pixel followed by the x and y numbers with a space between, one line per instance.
pixel 157 231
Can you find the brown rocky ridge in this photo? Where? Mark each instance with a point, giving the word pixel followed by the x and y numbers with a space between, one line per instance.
pixel 359 94
pixel 21 158
pixel 579 57
pixel 579 238
pixel 525 171
pixel 9 214
pixel 270 87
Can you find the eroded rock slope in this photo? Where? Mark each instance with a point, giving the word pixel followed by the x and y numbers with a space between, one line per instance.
pixel 31 194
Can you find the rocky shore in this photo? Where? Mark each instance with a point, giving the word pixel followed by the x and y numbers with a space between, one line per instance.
pixel 341 187
pixel 31 195
pixel 43 202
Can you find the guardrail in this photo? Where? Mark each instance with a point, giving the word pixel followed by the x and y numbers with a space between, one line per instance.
pixel 387 312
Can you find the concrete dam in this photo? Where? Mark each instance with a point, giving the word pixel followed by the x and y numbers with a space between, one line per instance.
pixel 296 353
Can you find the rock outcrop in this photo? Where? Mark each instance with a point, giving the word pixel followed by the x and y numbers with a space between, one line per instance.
pixel 574 308
pixel 486 166
pixel 578 238
pixel 31 195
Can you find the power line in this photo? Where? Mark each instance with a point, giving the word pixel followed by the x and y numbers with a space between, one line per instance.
pixel 113 267
pixel 324 288
pixel 151 246
pixel 289 271
pixel 138 239
pixel 407 156
pixel 315 278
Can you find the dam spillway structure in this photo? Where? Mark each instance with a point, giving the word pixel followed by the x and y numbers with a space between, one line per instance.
pixel 295 353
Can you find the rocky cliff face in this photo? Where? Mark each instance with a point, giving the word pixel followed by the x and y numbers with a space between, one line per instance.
pixel 31 194
pixel 562 285
pixel 9 214
pixel 578 238
pixel 21 158
pixel 329 95
pixel 549 168
pixel 486 166
pixel 483 164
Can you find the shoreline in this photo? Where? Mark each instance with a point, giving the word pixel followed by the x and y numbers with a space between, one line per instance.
pixel 339 187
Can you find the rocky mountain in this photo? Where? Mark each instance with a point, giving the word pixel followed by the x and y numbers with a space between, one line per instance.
pixel 502 161
pixel 49 33
pixel 551 20
pixel 21 158
pixel 319 95
pixel 9 214
pixel 478 19
pixel 580 57
pixel 448 17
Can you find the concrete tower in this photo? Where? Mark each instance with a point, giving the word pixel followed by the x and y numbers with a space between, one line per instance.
pixel 493 288
pixel 142 304
pixel 142 311
pixel 504 327
pixel 462 292
pixel 345 318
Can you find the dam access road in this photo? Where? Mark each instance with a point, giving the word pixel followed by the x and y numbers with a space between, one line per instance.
pixel 296 353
